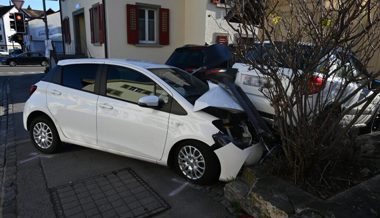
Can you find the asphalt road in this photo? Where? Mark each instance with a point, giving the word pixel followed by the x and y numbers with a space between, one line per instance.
pixel 38 173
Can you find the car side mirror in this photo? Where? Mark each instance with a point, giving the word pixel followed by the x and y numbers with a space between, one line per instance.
pixel 375 84
pixel 149 101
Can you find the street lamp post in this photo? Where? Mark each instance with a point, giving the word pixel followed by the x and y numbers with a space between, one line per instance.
pixel 45 20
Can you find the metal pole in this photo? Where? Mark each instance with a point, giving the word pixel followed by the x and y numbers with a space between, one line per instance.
pixel 45 20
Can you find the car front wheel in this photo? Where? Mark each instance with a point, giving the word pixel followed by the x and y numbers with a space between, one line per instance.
pixel 197 162
pixel 12 64
pixel 44 135
pixel 44 63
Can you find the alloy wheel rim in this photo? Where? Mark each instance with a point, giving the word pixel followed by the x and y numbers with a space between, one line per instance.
pixel 191 162
pixel 42 134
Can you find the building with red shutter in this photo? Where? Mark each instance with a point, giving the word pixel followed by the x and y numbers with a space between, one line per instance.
pixel 141 29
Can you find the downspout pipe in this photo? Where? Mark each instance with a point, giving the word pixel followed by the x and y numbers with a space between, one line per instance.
pixel 105 30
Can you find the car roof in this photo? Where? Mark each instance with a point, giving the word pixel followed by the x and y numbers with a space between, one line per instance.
pixel 126 62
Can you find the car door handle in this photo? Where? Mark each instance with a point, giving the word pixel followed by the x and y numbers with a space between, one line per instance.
pixel 106 106
pixel 55 92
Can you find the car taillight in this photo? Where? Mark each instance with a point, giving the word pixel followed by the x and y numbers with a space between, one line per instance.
pixel 189 69
pixel 215 71
pixel 32 89
pixel 315 85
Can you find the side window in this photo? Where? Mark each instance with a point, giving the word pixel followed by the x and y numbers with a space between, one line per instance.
pixel 129 85
pixel 80 76
pixel 54 75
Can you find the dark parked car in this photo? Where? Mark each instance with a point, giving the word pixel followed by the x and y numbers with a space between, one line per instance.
pixel 203 61
pixel 27 58
pixel 15 52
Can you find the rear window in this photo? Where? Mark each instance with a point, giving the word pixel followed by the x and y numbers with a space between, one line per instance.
pixel 187 58
pixel 276 55
pixel 80 76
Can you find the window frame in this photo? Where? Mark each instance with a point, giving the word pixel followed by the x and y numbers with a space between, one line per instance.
pixel 168 108
pixel 146 10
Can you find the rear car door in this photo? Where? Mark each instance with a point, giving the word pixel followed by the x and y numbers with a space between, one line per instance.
pixel 73 100
pixel 35 58
pixel 123 125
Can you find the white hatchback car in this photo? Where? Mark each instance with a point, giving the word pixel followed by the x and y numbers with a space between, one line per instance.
pixel 147 111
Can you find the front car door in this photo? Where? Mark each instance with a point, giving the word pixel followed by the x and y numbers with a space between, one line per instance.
pixel 72 102
pixel 123 125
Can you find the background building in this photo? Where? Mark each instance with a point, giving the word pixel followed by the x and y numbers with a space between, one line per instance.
pixel 142 29
pixel 35 40
pixel 5 29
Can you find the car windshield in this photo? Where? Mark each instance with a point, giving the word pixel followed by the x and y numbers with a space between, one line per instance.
pixel 190 87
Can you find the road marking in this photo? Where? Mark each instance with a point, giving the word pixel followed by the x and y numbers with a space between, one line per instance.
pixel 179 189
pixel 34 156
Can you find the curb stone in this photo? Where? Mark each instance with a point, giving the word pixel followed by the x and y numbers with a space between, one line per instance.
pixel 8 159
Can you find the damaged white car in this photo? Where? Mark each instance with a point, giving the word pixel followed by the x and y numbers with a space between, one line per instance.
pixel 146 111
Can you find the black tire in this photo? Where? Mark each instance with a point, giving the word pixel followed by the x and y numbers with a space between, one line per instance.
pixel 44 135
pixel 12 63
pixel 200 168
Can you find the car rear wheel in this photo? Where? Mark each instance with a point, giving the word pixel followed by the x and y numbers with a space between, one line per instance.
pixel 197 162
pixel 12 64
pixel 44 135
pixel 44 63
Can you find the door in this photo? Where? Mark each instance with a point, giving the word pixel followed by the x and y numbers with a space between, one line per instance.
pixel 35 58
pixel 23 59
pixel 80 33
pixel 73 102
pixel 123 125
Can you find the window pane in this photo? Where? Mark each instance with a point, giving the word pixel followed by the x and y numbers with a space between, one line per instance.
pixel 128 85
pixel 151 26
pixel 80 76
pixel 184 83
pixel 142 25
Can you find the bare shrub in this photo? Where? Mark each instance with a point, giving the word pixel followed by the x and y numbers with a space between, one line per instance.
pixel 316 60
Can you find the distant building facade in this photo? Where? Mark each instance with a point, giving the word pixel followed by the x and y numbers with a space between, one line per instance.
pixel 5 29
pixel 35 39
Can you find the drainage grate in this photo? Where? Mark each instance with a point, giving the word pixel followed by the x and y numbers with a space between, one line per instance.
pixel 120 193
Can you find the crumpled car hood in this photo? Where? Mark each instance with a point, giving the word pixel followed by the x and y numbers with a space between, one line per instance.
pixel 217 97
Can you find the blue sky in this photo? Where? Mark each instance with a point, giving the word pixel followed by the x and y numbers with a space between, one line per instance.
pixel 36 4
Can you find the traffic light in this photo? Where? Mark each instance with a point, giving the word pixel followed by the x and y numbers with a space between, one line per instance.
pixel 20 22
pixel 12 21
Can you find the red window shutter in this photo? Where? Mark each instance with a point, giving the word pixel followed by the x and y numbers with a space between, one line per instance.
pixel 164 26
pixel 222 40
pixel 66 30
pixel 101 24
pixel 132 24
pixel 92 25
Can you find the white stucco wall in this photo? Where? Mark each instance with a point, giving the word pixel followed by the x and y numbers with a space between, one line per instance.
pixel 117 31
pixel 67 9
pixel 216 24
pixel 195 26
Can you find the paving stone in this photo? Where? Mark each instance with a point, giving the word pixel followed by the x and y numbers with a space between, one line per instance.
pixel 102 197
